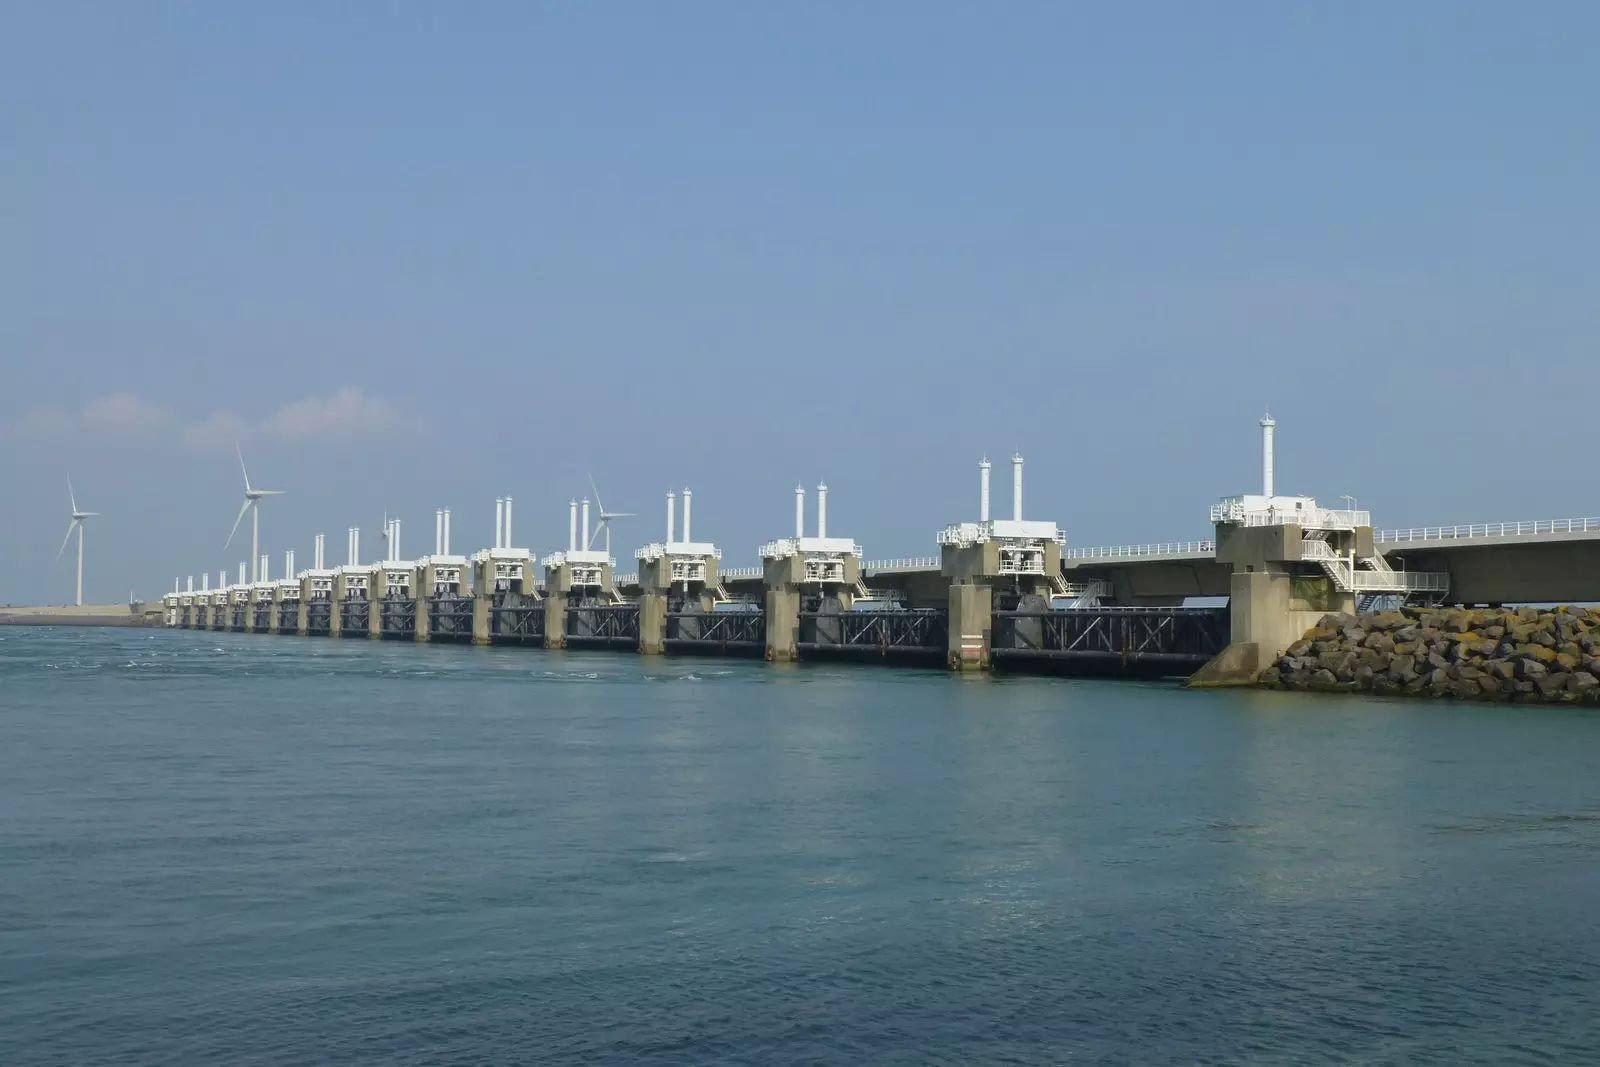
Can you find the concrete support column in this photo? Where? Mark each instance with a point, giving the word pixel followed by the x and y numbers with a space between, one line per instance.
pixel 1274 596
pixel 422 587
pixel 783 624
pixel 971 626
pixel 377 589
pixel 482 618
pixel 555 619
pixel 483 600
pixel 277 607
pixel 250 613
pixel 782 578
pixel 653 624
pixel 302 625
pixel 335 619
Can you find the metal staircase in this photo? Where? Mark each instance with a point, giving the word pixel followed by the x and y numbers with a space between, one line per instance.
pixel 1079 594
pixel 1372 575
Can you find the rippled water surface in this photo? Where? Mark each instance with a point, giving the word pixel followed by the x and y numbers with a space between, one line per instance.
pixel 254 850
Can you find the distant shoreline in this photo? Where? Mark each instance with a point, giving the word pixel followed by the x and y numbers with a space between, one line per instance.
pixel 71 615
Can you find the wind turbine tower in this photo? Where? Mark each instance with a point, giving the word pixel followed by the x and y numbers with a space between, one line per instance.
pixel 252 504
pixel 605 518
pixel 76 524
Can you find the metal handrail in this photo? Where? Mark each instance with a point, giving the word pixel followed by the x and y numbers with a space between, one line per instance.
pixel 739 572
pixel 1399 581
pixel 1310 549
pixel 1171 548
pixel 1489 529
pixel 911 563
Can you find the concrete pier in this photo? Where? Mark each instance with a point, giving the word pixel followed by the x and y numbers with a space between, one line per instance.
pixel 503 583
pixel 813 578
pixel 1014 563
pixel 445 602
pixel 678 582
pixel 392 613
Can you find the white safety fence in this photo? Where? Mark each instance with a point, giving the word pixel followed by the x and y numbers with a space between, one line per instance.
pixel 1171 548
pixel 911 563
pixel 1399 582
pixel 739 572
pixel 1489 529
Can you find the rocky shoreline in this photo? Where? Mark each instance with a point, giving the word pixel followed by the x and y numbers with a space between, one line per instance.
pixel 1522 655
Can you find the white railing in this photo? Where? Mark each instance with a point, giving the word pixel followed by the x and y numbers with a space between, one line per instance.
pixel 1400 582
pixel 739 572
pixel 1317 550
pixel 625 579
pixel 963 533
pixel 1234 512
pixel 910 563
pixel 1309 518
pixel 782 548
pixel 1171 548
pixel 1489 529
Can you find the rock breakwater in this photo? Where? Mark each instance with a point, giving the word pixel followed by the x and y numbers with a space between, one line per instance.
pixel 1512 654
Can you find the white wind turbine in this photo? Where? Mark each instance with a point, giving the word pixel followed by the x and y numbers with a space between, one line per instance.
pixel 605 518
pixel 76 524
pixel 252 504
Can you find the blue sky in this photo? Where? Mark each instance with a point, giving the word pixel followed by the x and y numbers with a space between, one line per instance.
pixel 417 256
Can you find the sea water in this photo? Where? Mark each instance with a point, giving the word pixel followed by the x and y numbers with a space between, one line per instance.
pixel 273 850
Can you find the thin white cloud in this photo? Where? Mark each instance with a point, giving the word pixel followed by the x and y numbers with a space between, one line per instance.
pixel 347 413
pixel 123 413
pixel 217 430
pixel 119 415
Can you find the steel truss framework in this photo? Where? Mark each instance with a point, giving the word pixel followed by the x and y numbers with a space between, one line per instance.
pixel 1114 637
pixel 516 619
pixel 237 617
pixel 884 632
pixel 397 617
pixel 610 625
pixel 355 616
pixel 725 631
pixel 450 618
pixel 261 619
pixel 319 617
pixel 288 616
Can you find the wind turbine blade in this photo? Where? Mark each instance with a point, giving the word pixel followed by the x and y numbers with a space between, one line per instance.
pixel 242 509
pixel 271 492
pixel 621 515
pixel 596 488
pixel 73 525
pixel 72 496
pixel 240 451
